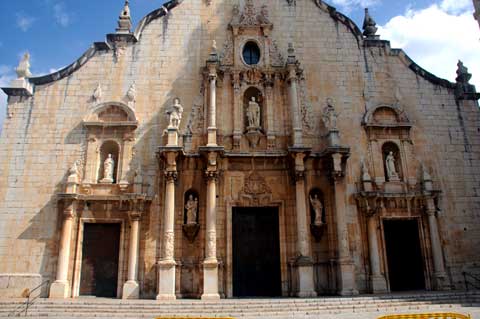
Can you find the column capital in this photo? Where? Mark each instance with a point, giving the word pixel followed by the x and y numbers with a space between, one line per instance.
pixel 69 210
pixel 171 176
pixel 135 215
pixel 211 175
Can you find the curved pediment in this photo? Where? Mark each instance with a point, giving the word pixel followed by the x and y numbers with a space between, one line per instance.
pixel 384 115
pixel 111 114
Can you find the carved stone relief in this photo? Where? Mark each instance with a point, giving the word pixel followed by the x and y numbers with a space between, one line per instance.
pixel 256 190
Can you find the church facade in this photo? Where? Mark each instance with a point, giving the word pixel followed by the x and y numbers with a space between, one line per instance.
pixel 234 148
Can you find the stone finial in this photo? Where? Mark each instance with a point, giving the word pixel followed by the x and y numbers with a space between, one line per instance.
pixel 213 52
pixel 426 178
pixel 369 26
pixel 124 20
pixel 23 69
pixel 365 175
pixel 131 93
pixel 464 90
pixel 292 59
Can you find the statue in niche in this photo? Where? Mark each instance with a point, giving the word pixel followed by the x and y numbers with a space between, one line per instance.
pixel 317 208
pixel 175 114
pixel 330 116
pixel 192 209
pixel 253 114
pixel 390 164
pixel 108 166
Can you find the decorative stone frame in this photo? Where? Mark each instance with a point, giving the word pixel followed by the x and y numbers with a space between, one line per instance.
pixel 77 264
pixel 266 202
pixel 99 132
pixel 242 42
pixel 397 131
pixel 424 248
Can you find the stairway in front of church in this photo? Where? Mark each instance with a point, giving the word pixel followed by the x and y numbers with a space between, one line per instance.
pixel 359 307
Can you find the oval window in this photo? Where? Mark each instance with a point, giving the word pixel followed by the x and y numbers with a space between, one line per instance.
pixel 251 53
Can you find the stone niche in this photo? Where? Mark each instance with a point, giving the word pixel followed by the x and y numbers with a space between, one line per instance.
pixel 110 135
pixel 390 148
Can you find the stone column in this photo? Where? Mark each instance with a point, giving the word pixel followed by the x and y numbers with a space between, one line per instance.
pixel 61 287
pixel 377 280
pixel 166 287
pixel 304 261
pixel 212 111
pixel 130 288
pixel 440 276
pixel 269 108
pixel 237 111
pixel 346 267
pixel 294 110
pixel 210 264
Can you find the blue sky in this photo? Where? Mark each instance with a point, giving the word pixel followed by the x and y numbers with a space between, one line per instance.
pixel 435 33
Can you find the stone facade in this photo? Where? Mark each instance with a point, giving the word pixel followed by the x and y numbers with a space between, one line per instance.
pixel 238 104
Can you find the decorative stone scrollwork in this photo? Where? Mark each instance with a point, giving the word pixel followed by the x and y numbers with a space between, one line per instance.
pixel 276 58
pixel 211 175
pixel 168 245
pixel 211 244
pixel 256 190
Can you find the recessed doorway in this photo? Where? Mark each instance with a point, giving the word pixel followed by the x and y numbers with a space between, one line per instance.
pixel 404 255
pixel 100 251
pixel 256 252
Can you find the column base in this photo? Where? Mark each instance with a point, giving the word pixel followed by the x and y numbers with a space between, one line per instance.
pixel 440 281
pixel 212 136
pixel 379 284
pixel 210 280
pixel 297 137
pixel 60 289
pixel 131 290
pixel 166 280
pixel 346 274
pixel 306 286
pixel 172 139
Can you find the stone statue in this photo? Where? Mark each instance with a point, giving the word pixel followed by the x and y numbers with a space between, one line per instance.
pixel 253 114
pixel 175 114
pixel 192 209
pixel 108 166
pixel 73 171
pixel 390 164
pixel 23 69
pixel 330 116
pixel 97 94
pixel 318 208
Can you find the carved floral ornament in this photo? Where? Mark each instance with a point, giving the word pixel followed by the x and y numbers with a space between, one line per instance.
pixel 255 185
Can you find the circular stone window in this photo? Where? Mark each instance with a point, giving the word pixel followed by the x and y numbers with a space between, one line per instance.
pixel 251 53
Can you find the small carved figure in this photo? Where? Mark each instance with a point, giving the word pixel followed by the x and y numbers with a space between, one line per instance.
pixel 175 114
pixel 318 208
pixel 330 116
pixel 235 15
pixel 390 164
pixel 192 209
pixel 108 166
pixel 253 114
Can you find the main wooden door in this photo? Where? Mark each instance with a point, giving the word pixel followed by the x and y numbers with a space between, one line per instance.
pixel 256 252
pixel 404 255
pixel 100 251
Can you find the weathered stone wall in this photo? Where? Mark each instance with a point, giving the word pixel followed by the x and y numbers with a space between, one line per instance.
pixel 45 136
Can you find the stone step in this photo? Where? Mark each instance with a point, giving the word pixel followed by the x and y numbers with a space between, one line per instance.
pixel 244 308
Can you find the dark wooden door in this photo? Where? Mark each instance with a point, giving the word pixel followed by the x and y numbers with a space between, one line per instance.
pixel 256 252
pixel 100 260
pixel 404 255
